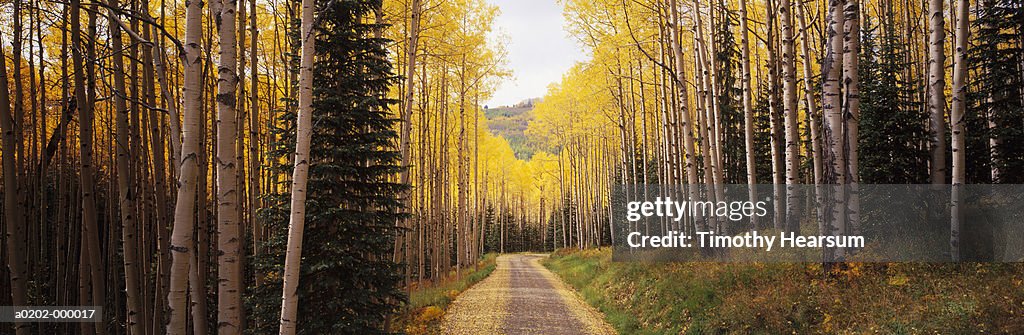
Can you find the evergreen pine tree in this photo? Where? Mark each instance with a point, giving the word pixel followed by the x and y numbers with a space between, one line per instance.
pixel 491 237
pixel 995 94
pixel 762 135
pixel 891 138
pixel 729 97
pixel 349 283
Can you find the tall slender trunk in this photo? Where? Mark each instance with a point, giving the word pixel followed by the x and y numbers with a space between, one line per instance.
pixel 254 153
pixel 684 115
pixel 748 110
pixel 86 97
pixel 851 80
pixel 937 90
pixel 229 239
pixel 832 110
pixel 173 117
pixel 184 210
pixel 775 120
pixel 12 206
pixel 957 121
pixel 290 293
pixel 789 101
pixel 42 213
pixel 815 120
pixel 125 182
pixel 407 107
pixel 153 304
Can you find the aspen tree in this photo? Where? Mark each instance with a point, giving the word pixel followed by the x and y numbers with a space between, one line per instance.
pixel 92 287
pixel 12 207
pixel 125 181
pixel 184 211
pixel 832 109
pixel 775 120
pixel 296 220
pixel 789 101
pixel 957 121
pixel 412 44
pixel 851 82
pixel 680 78
pixel 815 120
pixel 937 90
pixel 255 174
pixel 229 239
pixel 748 109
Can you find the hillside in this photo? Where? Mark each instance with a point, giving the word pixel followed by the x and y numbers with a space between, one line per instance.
pixel 510 122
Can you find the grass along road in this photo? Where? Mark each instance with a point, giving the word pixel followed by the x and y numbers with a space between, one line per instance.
pixel 522 297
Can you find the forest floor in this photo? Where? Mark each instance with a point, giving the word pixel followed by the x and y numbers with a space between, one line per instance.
pixel 522 297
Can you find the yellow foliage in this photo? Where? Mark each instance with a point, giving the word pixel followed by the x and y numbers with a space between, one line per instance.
pixel 898 280
pixel 854 270
pixel 416 329
pixel 430 313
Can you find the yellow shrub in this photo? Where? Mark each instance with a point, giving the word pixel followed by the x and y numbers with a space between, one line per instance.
pixel 430 313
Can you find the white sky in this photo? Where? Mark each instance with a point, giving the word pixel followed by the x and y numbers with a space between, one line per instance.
pixel 539 48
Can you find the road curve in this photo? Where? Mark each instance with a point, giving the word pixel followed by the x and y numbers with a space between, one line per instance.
pixel 522 297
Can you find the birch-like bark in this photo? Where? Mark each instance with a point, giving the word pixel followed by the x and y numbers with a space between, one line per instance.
pixel 184 209
pixel 957 122
pixel 789 103
pixel 297 219
pixel 748 110
pixel 255 175
pixel 124 178
pixel 412 44
pixel 684 115
pixel 833 113
pixel 937 91
pixel 86 97
pixel 12 207
pixel 815 119
pixel 775 122
pixel 851 81
pixel 229 239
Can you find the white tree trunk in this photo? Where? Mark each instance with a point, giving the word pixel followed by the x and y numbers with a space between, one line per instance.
pixel 124 179
pixel 229 285
pixel 937 90
pixel 789 103
pixel 833 114
pixel 684 115
pixel 748 110
pixel 851 64
pixel 184 210
pixel 957 122
pixel 296 221
pixel 815 119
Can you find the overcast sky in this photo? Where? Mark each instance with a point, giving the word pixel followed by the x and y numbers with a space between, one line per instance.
pixel 539 49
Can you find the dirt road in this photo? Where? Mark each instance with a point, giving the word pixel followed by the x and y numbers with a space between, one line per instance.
pixel 522 297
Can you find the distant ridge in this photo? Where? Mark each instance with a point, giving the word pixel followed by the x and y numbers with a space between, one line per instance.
pixel 510 122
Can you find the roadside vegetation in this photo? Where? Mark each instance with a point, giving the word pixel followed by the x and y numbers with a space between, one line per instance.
pixel 428 302
pixel 745 298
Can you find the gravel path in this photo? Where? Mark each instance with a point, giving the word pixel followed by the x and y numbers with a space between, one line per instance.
pixel 522 297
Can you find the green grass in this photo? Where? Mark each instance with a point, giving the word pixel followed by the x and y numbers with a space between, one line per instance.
pixel 751 298
pixel 428 302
